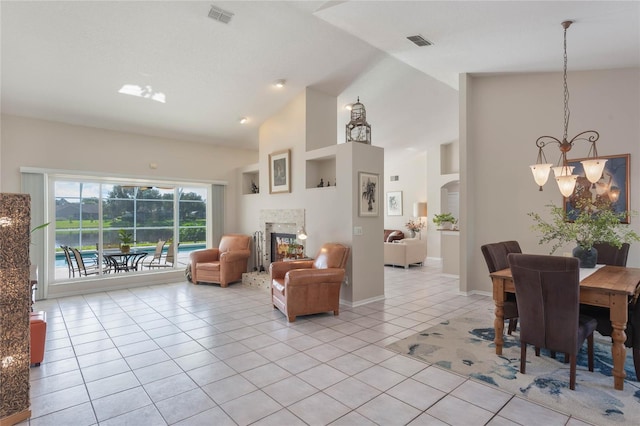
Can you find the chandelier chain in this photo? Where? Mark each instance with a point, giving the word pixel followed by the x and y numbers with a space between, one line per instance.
pixel 567 113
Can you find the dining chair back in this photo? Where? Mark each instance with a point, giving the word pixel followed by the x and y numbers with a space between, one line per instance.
pixel 548 294
pixel 609 254
pixel 495 255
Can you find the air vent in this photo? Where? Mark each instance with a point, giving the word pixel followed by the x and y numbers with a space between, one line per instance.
pixel 220 14
pixel 418 40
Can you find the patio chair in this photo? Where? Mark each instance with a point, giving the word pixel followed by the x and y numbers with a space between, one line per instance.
pixel 169 258
pixel 70 262
pixel 84 269
pixel 157 255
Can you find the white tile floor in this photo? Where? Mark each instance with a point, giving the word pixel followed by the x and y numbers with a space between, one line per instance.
pixel 203 355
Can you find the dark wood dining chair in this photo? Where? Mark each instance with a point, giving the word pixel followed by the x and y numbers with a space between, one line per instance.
pixel 548 293
pixel 611 255
pixel 495 255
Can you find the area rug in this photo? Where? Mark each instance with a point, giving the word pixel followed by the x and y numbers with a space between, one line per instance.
pixel 465 346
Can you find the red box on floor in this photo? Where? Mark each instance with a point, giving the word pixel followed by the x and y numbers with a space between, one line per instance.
pixel 38 326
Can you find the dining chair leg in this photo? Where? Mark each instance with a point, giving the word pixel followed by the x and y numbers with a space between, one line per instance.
pixel 552 354
pixel 523 356
pixel 537 351
pixel 636 362
pixel 590 351
pixel 572 372
pixel 512 325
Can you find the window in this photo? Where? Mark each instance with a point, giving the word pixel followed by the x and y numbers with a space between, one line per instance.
pixel 91 214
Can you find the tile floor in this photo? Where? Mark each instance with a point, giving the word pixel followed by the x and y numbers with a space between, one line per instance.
pixel 202 355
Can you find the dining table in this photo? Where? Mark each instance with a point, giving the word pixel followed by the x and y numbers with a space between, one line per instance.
pixel 121 261
pixel 605 286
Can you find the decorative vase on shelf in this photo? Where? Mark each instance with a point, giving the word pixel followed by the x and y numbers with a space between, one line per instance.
pixel 412 233
pixel 587 257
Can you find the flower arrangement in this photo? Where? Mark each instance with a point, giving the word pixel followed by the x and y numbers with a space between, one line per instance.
pixel 415 225
pixel 591 225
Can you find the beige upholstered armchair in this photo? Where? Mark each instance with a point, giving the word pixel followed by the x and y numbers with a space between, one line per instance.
pixel 303 287
pixel 224 264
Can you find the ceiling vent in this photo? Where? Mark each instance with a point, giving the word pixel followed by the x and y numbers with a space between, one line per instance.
pixel 418 40
pixel 220 14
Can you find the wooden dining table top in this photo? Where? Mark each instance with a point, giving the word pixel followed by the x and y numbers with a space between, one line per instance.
pixel 614 279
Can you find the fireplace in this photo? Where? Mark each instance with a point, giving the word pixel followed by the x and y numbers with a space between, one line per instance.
pixel 280 221
pixel 284 246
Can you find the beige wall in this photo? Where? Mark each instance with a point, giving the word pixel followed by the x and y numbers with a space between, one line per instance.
pixel 411 169
pixel 504 116
pixel 50 145
pixel 329 211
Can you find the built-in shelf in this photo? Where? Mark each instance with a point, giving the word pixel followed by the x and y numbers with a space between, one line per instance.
pixel 250 177
pixel 321 165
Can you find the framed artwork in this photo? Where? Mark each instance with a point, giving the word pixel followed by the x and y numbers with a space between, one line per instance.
pixel 394 203
pixel 280 172
pixel 368 184
pixel 611 191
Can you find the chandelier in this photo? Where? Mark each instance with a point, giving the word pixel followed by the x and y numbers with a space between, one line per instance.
pixel 593 166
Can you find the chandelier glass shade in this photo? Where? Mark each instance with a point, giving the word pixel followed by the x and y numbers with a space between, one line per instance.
pixel 563 172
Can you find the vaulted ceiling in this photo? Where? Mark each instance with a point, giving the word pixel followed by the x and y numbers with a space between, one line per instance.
pixel 66 61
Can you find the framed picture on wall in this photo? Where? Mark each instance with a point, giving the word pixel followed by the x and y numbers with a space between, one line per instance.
pixel 611 191
pixel 394 203
pixel 368 184
pixel 280 172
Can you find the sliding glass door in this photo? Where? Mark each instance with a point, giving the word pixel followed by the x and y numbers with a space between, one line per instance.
pixel 92 215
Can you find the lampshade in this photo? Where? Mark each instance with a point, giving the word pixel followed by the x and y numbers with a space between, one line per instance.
pixel 541 173
pixel 419 209
pixel 593 169
pixel 302 233
pixel 562 171
pixel 566 184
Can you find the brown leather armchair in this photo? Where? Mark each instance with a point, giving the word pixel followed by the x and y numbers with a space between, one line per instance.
pixel 224 264
pixel 303 287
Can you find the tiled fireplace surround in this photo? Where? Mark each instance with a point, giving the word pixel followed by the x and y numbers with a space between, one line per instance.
pixel 275 220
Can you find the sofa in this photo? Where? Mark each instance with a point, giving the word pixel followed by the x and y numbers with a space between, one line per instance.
pixel 405 252
pixel 391 235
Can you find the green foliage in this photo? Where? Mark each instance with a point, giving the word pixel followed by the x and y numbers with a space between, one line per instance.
pixel 443 217
pixel 193 234
pixel 125 237
pixel 591 225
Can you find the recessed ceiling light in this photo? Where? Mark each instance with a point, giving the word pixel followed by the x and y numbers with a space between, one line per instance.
pixel 279 83
pixel 243 120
